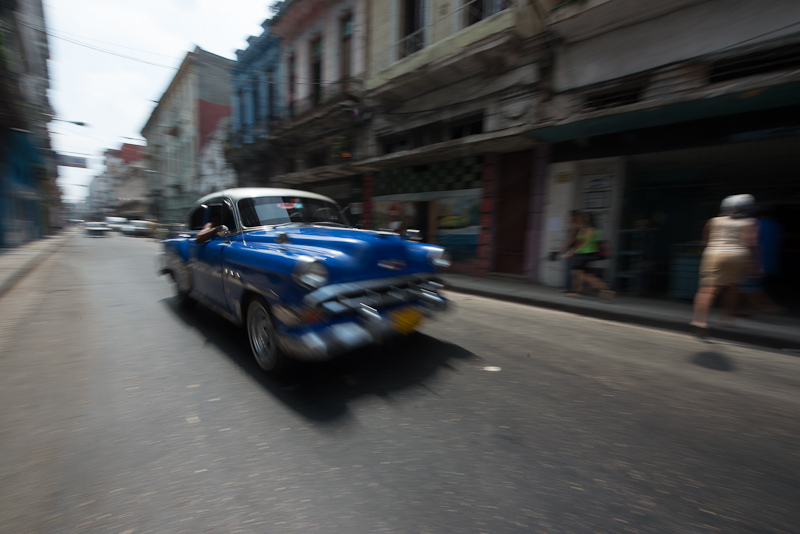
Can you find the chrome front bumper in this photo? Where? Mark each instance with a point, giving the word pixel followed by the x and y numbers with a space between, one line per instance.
pixel 367 326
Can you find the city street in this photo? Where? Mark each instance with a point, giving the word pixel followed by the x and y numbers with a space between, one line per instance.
pixel 124 413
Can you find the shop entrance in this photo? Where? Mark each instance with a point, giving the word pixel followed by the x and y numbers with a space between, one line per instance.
pixel 670 196
pixel 513 188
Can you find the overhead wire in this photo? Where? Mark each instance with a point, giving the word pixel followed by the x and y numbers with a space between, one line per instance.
pixel 282 78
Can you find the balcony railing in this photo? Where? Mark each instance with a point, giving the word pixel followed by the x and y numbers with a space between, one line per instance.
pixel 346 88
pixel 445 26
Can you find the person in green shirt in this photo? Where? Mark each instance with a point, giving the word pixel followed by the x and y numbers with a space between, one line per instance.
pixel 585 250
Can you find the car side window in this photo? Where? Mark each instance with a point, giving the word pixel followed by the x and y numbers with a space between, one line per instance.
pixel 227 217
pixel 197 218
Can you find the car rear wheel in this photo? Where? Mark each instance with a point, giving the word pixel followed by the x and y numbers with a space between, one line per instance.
pixel 261 333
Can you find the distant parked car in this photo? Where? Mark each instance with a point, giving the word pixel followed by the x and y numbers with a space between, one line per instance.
pixel 288 267
pixel 116 223
pixel 97 229
pixel 139 229
pixel 170 230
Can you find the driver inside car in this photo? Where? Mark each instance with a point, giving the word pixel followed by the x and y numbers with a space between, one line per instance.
pixel 210 229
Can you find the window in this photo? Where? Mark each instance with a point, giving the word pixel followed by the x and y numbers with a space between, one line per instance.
pixel 467 127
pixel 258 101
pixel 316 159
pixel 198 218
pixel 316 70
pixel 242 113
pixel 217 210
pixel 477 10
pixel 345 47
pixel 271 96
pixel 292 89
pixel 753 64
pixel 264 211
pixel 227 217
pixel 412 24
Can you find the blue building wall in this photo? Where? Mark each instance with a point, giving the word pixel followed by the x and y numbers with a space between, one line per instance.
pixel 20 201
pixel 256 96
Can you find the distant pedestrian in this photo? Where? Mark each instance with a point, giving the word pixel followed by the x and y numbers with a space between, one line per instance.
pixel 574 220
pixel 585 250
pixel 729 240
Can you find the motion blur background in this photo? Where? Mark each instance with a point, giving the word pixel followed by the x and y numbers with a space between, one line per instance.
pixel 480 122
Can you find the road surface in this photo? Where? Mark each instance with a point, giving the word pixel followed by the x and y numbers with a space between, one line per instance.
pixel 123 413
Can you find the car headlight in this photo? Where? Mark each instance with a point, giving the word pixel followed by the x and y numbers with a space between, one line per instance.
pixel 439 258
pixel 310 273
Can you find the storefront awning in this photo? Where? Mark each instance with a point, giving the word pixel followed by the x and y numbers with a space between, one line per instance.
pixel 714 106
pixel 507 140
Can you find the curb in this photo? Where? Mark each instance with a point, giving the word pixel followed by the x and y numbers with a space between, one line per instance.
pixel 32 263
pixel 608 313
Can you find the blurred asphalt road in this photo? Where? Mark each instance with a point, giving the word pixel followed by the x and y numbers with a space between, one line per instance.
pixel 125 414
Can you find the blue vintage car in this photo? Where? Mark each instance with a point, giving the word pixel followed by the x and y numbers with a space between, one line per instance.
pixel 286 265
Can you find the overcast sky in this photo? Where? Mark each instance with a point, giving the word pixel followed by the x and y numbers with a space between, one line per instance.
pixel 115 95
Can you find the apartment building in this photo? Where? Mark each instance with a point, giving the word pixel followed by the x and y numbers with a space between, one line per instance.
pixel 322 126
pixel 196 100
pixel 454 88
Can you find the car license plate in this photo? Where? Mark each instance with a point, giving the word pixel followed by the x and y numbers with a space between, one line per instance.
pixel 405 319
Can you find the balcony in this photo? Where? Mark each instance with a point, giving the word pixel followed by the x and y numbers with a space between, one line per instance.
pixel 328 95
pixel 474 37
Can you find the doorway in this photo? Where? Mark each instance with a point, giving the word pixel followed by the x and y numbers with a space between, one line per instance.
pixel 511 208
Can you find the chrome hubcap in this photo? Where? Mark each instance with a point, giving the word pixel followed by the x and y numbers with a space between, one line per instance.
pixel 261 338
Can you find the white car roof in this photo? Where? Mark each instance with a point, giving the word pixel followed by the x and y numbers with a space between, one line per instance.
pixel 238 193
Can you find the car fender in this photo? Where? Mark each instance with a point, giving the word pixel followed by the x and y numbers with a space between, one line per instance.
pixel 176 262
pixel 264 270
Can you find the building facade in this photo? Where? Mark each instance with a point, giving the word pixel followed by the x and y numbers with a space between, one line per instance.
pixel 416 114
pixel 660 111
pixel 256 108
pixel 190 110
pixel 482 123
pixel 454 87
pixel 30 199
pixel 215 171
pixel 101 193
pixel 322 127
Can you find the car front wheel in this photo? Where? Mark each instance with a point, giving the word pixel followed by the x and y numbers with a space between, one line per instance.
pixel 181 297
pixel 261 333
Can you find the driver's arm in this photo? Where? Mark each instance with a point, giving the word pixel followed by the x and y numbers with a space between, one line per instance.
pixel 208 231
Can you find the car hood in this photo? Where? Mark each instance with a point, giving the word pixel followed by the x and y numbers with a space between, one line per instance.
pixel 350 253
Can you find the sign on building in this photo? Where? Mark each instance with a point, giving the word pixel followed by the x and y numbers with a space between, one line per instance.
pixel 71 161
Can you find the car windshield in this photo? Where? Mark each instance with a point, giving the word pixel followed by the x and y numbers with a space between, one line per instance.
pixel 265 211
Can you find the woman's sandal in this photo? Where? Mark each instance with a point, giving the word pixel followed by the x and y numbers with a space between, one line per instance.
pixel 699 330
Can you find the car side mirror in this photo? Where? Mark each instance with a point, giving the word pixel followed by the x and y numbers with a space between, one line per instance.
pixel 223 232
pixel 413 235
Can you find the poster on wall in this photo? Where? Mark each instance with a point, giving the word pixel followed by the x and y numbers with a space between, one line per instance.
pixel 597 192
pixel 395 215
pixel 458 226
pixel 451 221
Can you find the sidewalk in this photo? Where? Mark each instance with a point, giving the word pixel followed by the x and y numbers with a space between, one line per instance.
pixel 769 331
pixel 17 262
